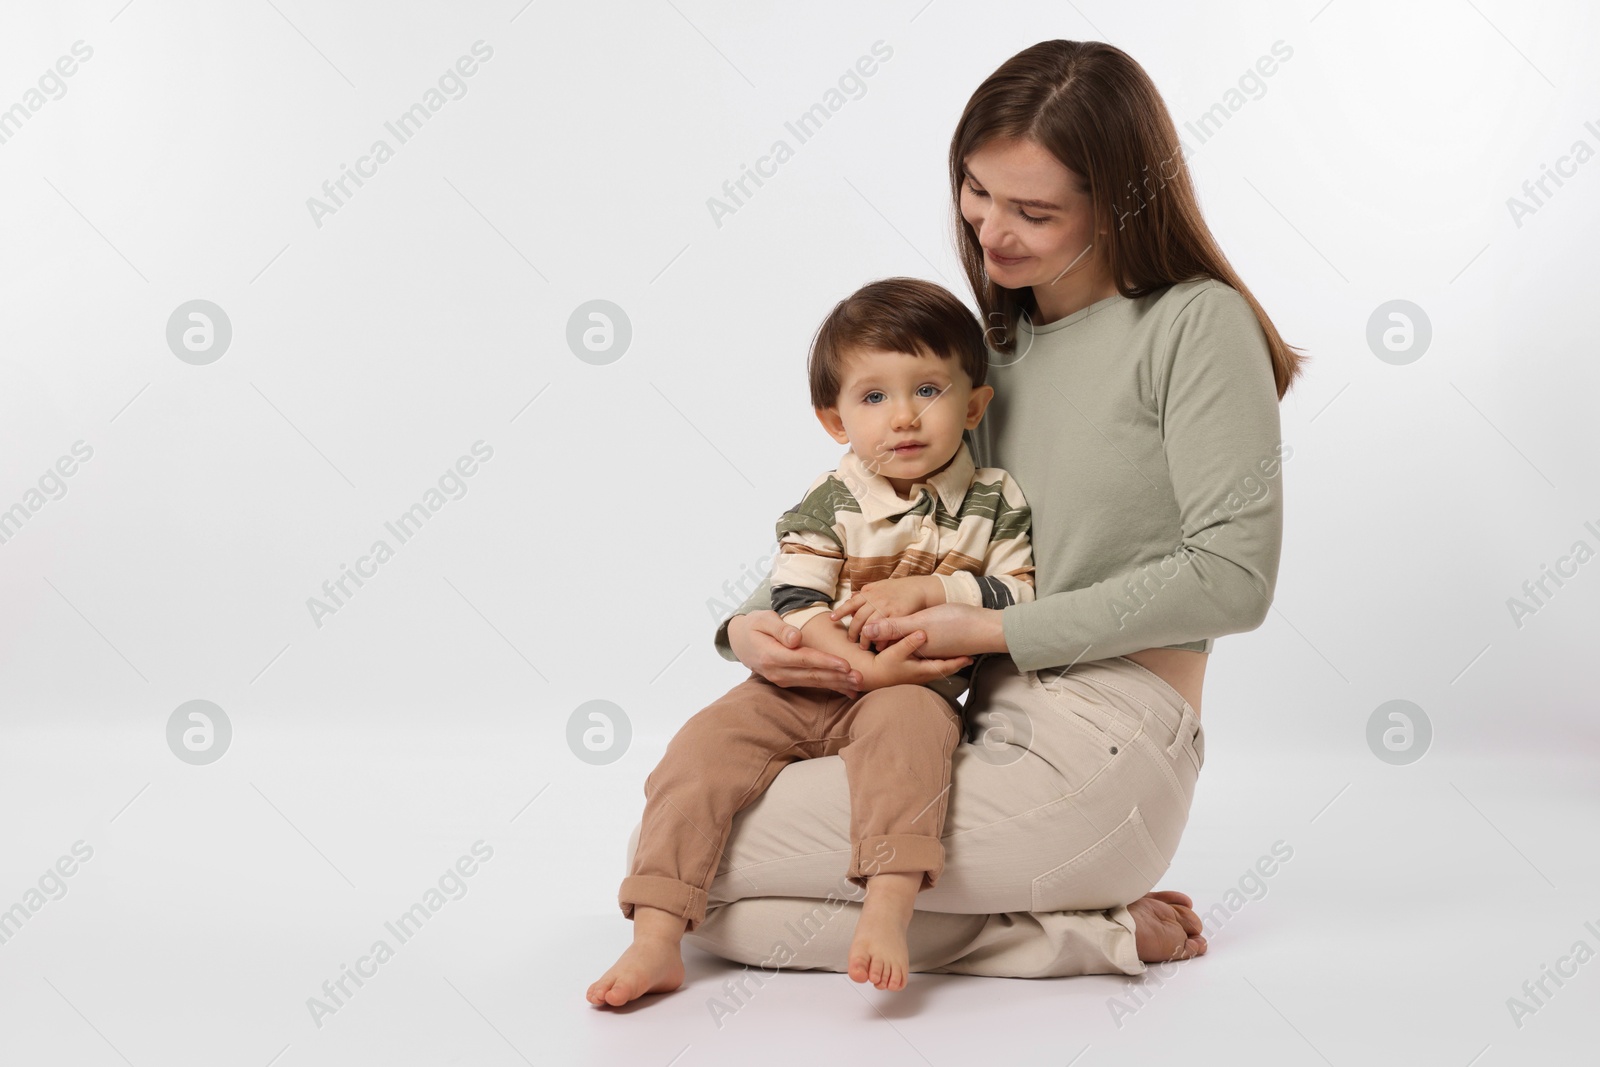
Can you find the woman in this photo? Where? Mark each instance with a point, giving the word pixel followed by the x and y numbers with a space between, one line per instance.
pixel 1137 387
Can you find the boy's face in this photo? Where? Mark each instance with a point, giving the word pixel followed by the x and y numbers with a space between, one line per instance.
pixel 889 400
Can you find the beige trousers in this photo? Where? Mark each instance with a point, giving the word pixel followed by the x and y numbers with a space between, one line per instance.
pixel 896 743
pixel 1068 797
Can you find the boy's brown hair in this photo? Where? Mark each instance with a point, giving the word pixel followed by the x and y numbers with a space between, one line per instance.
pixel 897 315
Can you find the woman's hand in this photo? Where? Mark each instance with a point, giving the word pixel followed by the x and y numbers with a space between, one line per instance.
pixel 771 648
pixel 888 598
pixel 952 629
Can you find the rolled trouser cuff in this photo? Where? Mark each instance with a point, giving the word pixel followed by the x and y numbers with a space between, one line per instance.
pixel 897 854
pixel 670 895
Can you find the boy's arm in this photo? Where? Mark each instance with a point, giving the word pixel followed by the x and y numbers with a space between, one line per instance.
pixel 827 635
pixel 1008 571
pixel 805 558
pixel 805 574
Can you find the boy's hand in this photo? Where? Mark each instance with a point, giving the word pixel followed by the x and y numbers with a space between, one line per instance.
pixel 889 598
pixel 899 664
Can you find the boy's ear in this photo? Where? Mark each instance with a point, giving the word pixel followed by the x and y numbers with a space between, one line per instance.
pixel 977 403
pixel 829 417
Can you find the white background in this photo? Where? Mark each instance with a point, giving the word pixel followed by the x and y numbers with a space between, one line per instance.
pixel 430 312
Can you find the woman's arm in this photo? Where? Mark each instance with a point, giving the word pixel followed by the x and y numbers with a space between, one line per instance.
pixel 1218 405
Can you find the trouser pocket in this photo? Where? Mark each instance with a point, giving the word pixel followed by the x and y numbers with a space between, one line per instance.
pixel 1087 713
pixel 1190 739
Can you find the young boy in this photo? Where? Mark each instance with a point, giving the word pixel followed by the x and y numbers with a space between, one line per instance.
pixel 905 522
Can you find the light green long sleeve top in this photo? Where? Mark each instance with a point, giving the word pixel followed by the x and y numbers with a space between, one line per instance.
pixel 1145 435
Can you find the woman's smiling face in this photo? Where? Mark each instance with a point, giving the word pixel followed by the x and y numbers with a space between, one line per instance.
pixel 1032 215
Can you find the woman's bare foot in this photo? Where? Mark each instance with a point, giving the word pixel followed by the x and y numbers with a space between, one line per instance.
pixel 1165 927
pixel 878 952
pixel 652 964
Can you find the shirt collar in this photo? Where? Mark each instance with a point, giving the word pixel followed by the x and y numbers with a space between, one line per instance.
pixel 878 499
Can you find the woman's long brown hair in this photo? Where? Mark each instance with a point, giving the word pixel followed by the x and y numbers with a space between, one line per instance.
pixel 1095 109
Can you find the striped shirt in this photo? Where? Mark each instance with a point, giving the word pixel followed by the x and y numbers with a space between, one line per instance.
pixel 967 525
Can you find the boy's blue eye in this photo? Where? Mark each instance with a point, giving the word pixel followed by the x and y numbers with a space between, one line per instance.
pixel 926 385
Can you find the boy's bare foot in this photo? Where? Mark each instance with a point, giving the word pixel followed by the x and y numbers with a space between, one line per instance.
pixel 878 952
pixel 1165 927
pixel 652 964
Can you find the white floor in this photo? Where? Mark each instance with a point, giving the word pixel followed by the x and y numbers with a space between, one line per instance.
pixel 218 899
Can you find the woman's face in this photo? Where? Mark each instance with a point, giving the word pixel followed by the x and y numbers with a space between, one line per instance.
pixel 1032 215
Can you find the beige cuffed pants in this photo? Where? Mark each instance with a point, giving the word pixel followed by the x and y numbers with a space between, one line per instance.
pixel 1068 797
pixel 896 743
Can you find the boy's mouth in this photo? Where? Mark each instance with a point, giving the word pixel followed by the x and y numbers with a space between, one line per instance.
pixel 909 450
